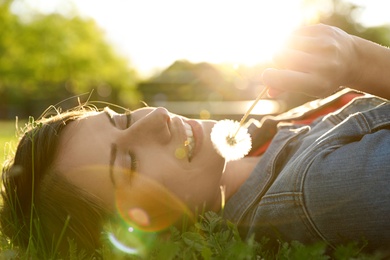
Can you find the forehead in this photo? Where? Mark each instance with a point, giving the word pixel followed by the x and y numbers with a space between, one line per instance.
pixel 83 155
pixel 83 141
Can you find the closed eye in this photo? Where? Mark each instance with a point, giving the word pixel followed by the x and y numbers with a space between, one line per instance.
pixel 133 167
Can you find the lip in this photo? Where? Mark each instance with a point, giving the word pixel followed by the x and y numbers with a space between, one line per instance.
pixel 198 135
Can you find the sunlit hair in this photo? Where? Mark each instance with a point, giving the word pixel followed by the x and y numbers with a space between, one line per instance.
pixel 41 209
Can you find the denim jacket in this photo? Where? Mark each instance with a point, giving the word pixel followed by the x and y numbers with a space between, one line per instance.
pixel 325 181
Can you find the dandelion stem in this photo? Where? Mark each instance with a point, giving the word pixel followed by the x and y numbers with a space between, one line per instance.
pixel 247 113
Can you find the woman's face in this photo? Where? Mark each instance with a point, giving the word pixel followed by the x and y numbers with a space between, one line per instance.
pixel 106 150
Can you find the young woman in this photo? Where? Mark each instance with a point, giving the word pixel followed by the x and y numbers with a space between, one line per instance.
pixel 326 179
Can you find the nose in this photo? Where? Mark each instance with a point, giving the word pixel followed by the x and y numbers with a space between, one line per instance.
pixel 161 114
pixel 152 126
pixel 158 118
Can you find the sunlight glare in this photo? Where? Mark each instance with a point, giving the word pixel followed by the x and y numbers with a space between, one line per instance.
pixel 265 107
pixel 244 32
pixel 153 33
pixel 156 33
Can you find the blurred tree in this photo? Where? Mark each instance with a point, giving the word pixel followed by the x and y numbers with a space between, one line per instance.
pixel 51 57
pixel 186 81
pixel 345 15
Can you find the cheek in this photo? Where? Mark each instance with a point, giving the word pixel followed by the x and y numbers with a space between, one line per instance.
pixel 160 169
pixel 95 181
pixel 164 165
pixel 166 170
pixel 194 186
pixel 212 162
pixel 149 204
pixel 154 164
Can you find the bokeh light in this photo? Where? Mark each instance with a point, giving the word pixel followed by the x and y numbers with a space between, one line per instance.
pixel 147 205
pixel 204 114
pixel 122 246
pixel 139 216
pixel 180 153
pixel 146 209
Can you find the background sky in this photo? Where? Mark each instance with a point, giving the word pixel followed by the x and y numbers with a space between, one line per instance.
pixel 155 33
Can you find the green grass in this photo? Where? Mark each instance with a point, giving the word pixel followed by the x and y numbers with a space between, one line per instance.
pixel 211 237
pixel 8 138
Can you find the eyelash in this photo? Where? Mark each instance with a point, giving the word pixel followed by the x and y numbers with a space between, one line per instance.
pixel 133 163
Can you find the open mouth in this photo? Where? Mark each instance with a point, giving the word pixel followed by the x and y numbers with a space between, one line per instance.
pixel 190 142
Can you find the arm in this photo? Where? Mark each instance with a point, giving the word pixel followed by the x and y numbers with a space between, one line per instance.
pixel 318 59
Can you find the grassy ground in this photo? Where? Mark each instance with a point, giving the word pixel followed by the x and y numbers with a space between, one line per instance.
pixel 7 138
pixel 7 143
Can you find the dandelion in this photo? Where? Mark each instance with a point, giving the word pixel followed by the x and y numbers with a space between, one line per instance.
pixel 231 138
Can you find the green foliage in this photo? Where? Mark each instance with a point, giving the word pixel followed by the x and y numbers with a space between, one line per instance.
pixel 215 238
pixel 211 238
pixel 51 57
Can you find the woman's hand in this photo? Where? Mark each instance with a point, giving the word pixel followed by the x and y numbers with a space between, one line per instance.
pixel 318 59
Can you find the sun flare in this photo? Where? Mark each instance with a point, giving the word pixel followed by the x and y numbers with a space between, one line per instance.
pixel 245 32
pixel 156 33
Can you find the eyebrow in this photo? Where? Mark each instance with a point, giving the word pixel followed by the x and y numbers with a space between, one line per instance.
pixel 112 161
pixel 110 118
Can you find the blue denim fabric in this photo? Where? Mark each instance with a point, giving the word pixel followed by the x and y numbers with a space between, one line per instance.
pixel 327 181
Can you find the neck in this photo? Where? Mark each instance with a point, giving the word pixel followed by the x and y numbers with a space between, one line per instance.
pixel 236 173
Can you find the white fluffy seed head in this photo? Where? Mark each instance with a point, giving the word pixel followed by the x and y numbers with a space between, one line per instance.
pixel 230 143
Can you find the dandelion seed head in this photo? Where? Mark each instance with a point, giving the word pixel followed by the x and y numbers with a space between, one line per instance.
pixel 231 140
pixel 230 143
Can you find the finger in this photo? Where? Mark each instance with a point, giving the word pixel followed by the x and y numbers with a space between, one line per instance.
pixel 273 93
pixel 313 29
pixel 296 60
pixel 295 81
pixel 303 43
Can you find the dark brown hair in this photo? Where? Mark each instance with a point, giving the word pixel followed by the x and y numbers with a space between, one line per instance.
pixel 41 209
